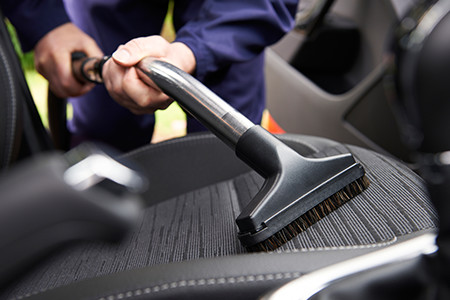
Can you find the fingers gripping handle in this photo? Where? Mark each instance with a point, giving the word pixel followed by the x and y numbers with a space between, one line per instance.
pixel 212 111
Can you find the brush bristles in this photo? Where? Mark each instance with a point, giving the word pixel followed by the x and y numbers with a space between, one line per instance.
pixel 312 216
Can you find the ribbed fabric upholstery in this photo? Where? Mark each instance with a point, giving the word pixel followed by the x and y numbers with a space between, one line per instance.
pixel 10 113
pixel 201 223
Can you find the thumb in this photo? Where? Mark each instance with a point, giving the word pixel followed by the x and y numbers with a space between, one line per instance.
pixel 123 56
pixel 132 52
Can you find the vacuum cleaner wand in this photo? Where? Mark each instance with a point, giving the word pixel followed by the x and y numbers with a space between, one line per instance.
pixel 204 105
pixel 297 191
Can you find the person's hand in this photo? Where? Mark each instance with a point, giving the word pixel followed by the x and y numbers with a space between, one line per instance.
pixel 53 59
pixel 123 82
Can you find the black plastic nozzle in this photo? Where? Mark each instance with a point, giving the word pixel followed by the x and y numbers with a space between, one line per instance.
pixel 294 184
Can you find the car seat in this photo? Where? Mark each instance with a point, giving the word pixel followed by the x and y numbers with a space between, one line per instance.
pixel 185 246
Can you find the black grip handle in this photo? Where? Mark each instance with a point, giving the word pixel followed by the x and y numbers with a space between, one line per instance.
pixel 88 69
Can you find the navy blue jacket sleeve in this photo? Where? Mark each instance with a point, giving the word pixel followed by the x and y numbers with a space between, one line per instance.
pixel 227 31
pixel 34 18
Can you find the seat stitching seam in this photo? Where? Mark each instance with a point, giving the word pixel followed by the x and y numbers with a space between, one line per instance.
pixel 202 282
pixel 189 283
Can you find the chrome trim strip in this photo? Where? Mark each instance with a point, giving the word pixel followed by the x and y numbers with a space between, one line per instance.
pixel 310 284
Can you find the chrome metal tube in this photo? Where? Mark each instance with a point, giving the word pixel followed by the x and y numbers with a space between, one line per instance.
pixel 212 111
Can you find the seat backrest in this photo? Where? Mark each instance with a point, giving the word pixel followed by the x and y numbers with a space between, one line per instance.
pixel 11 109
pixel 21 130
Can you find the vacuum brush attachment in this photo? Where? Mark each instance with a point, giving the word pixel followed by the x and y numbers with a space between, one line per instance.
pixel 297 191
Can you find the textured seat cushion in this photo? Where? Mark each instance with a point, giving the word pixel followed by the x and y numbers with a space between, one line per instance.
pixel 186 243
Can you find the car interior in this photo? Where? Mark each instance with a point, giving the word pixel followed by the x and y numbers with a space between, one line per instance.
pixel 159 222
pixel 327 80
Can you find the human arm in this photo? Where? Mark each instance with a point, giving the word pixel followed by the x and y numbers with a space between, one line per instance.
pixel 45 26
pixel 222 33
pixel 225 32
